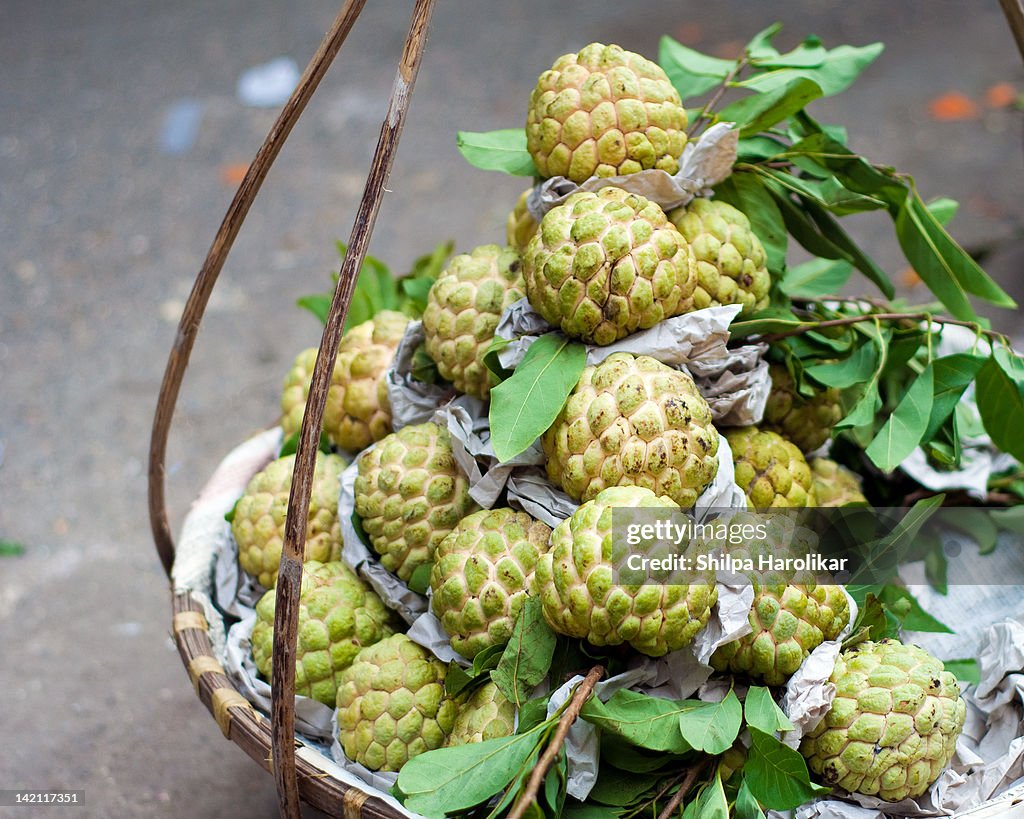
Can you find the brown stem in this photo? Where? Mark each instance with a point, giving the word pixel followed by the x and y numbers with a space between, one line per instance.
pixel 289 575
pixel 547 759
pixel 1014 11
pixel 188 326
pixel 848 320
pixel 711 103
pixel 684 788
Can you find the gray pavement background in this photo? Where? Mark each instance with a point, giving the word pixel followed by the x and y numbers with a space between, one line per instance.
pixel 101 235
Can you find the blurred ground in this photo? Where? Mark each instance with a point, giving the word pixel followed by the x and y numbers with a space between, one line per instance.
pixel 102 231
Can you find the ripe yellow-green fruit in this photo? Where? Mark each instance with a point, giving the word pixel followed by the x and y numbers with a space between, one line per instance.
pixel 259 516
pixel 770 470
pixel 792 613
pixel 731 261
pixel 392 705
pixel 580 585
pixel 604 112
pixel 520 225
pixel 485 715
pixel 893 725
pixel 606 264
pixel 482 573
pixel 835 485
pixel 357 411
pixel 338 616
pixel 632 420
pixel 409 494
pixel 463 308
pixel 807 421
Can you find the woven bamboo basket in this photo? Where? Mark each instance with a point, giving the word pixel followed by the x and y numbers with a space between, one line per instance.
pixel 272 742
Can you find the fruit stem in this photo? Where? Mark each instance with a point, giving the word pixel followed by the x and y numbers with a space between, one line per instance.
pixel 688 779
pixel 547 759
pixel 709 106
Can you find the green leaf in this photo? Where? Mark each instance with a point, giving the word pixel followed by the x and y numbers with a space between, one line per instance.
pixel 759 112
pixel 531 714
pixel 818 277
pixel 711 802
pixel 835 72
pixel 10 548
pixel 777 775
pixel 691 72
pixel 712 727
pixel 759 148
pixel 419 580
pixel 452 779
pixel 416 292
pixel 910 612
pixel 1001 402
pixel 768 321
pixel 903 429
pixel 290 445
pixel 831 230
pixel 943 209
pixel 526 404
pixel 978 525
pixel 456 680
pixel 856 368
pixel 953 374
pixel 966 670
pixel 760 711
pixel 319 305
pixel 746 806
pixel 747 193
pixel 229 516
pixel 760 46
pixel 642 720
pixel 936 568
pixel 580 811
pixel 503 150
pixel 621 788
pixel 527 657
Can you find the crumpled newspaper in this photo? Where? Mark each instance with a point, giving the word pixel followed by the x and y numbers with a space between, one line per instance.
pixel 704 163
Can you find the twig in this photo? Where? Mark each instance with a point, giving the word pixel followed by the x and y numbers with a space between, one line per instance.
pixel 289 576
pixel 547 759
pixel 741 63
pixel 922 316
pixel 684 788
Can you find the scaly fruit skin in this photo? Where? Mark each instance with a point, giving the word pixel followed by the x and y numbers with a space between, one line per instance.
pixel 576 583
pixel 606 264
pixel 482 573
pixel 631 420
pixel 258 524
pixel 357 411
pixel 604 112
pixel 520 225
pixel 463 308
pixel 835 485
pixel 807 422
pixel 338 616
pixel 893 726
pixel 731 261
pixel 792 614
pixel 770 470
pixel 392 705
pixel 485 715
pixel 409 495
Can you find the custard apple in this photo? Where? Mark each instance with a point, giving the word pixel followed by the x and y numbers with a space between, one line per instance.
pixel 632 420
pixel 258 520
pixel 482 573
pixel 604 112
pixel 338 615
pixel 577 582
pixel 893 726
pixel 806 421
pixel 357 411
pixel 463 308
pixel 835 485
pixel 392 704
pixel 409 495
pixel 520 225
pixel 770 470
pixel 731 261
pixel 485 715
pixel 792 614
pixel 606 264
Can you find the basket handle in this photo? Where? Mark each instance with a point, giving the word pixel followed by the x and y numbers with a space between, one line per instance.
pixel 192 315
pixel 289 575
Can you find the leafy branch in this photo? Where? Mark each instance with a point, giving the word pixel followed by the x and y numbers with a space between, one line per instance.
pixel 547 759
